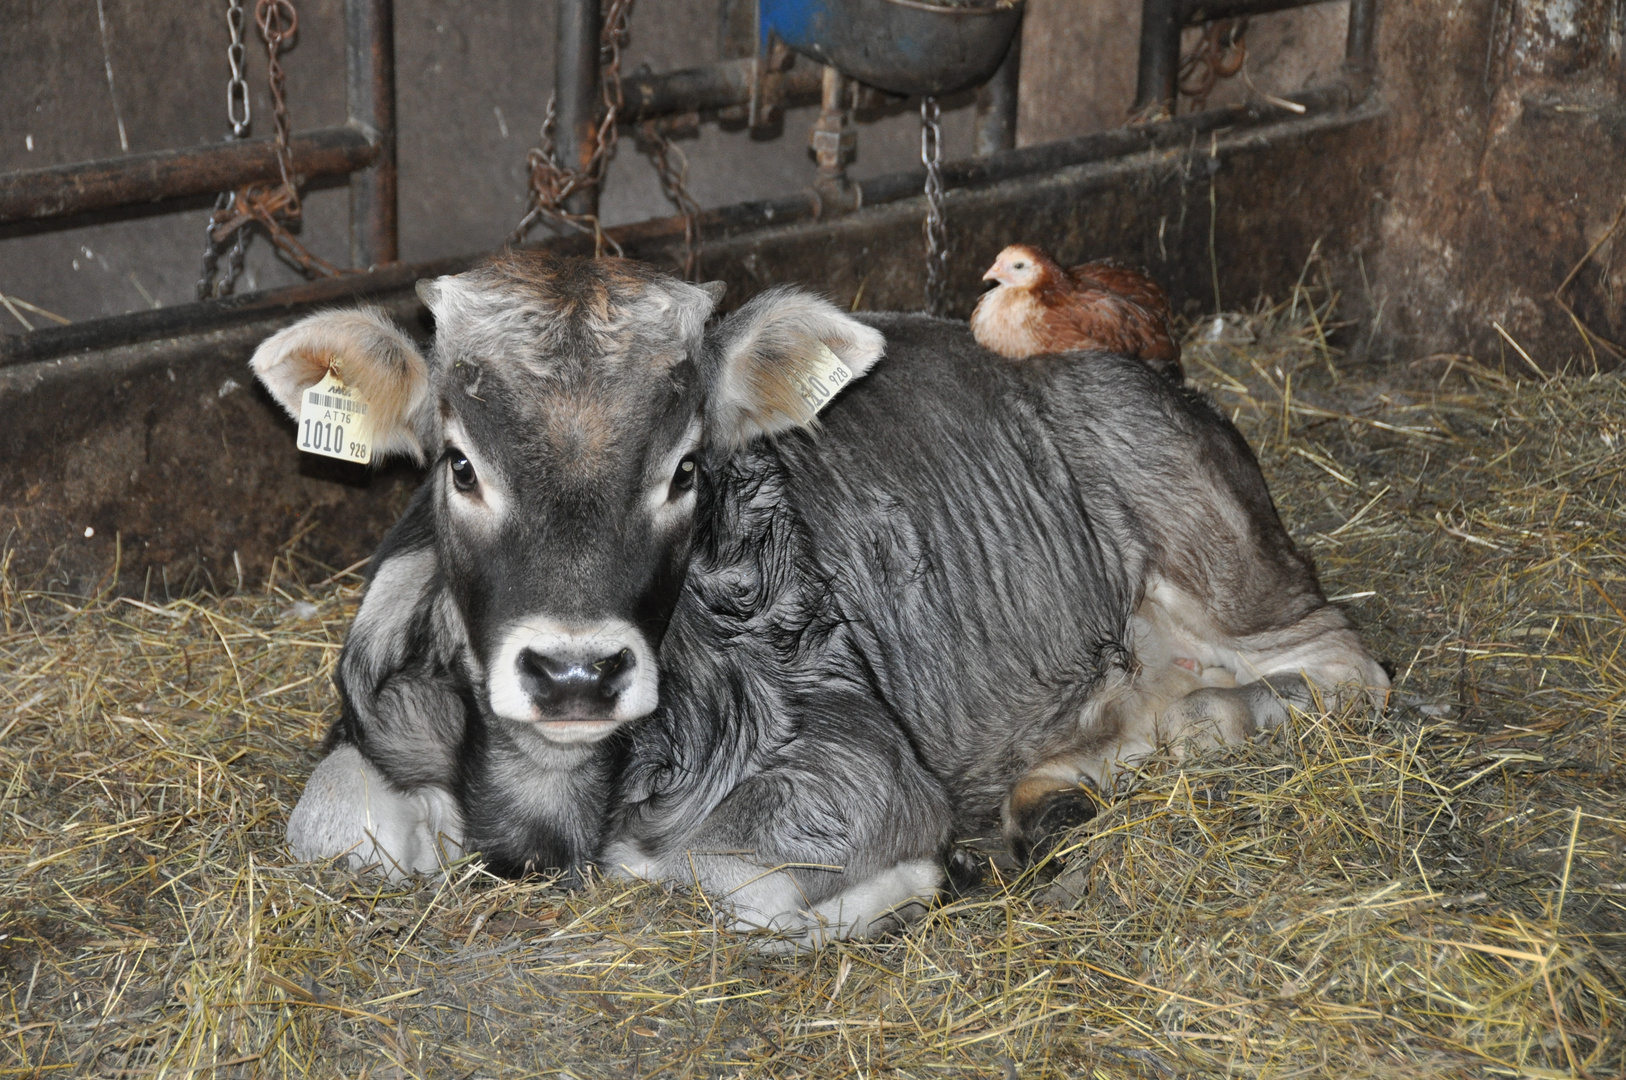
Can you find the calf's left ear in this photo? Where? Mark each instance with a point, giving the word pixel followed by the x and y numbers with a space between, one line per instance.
pixel 368 352
pixel 775 363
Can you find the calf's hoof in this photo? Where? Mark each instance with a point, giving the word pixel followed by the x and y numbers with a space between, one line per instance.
pixel 965 870
pixel 884 904
pixel 1042 824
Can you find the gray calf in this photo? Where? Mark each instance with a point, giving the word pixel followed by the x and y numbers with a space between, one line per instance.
pixel 647 611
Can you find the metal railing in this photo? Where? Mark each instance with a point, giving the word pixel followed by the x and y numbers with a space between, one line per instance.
pixel 363 148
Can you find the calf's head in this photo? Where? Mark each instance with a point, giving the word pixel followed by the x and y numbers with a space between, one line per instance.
pixel 570 409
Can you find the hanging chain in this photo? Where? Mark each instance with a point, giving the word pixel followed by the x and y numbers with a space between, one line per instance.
pixel 654 140
pixel 240 115
pixel 237 86
pixel 1218 54
pixel 278 22
pixel 931 155
pixel 552 182
pixel 274 207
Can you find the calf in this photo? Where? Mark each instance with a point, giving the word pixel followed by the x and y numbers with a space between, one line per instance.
pixel 646 610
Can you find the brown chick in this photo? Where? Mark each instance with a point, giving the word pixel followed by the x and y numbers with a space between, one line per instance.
pixel 1038 307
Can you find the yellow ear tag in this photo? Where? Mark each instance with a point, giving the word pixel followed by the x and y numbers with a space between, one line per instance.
pixel 826 374
pixel 333 422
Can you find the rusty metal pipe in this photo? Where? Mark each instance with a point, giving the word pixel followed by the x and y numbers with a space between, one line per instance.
pixel 713 86
pixel 369 58
pixel 1157 82
pixel 993 125
pixel 833 141
pixel 657 239
pixel 66 190
pixel 577 94
pixel 1159 72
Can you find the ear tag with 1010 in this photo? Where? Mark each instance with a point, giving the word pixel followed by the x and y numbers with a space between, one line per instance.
pixel 333 421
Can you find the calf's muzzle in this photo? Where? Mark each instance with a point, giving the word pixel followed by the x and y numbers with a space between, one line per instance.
pixel 575 684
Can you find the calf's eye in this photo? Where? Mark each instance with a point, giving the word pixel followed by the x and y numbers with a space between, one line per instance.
pixel 683 478
pixel 462 470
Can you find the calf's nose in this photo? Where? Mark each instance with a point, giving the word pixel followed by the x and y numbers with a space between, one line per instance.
pixel 574 685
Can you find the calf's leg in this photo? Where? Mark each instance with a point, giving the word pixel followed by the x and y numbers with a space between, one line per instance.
pixel 838 833
pixel 1195 685
pixel 349 810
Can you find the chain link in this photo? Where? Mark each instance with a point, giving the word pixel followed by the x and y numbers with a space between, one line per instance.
pixel 931 155
pixel 208 288
pixel 654 141
pixel 1218 54
pixel 237 86
pixel 239 114
pixel 552 182
pixel 279 21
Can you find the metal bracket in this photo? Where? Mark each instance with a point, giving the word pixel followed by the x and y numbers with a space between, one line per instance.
pixel 767 106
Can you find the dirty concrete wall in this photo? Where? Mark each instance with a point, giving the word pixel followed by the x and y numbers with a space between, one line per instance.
pixel 1499 176
pixel 1506 164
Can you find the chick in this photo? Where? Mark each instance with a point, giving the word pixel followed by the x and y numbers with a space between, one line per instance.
pixel 1039 307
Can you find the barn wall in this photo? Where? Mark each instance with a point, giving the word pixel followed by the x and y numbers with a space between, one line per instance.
pixel 1079 56
pixel 473 81
pixel 1505 163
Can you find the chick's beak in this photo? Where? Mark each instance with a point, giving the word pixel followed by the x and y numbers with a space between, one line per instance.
pixel 993 273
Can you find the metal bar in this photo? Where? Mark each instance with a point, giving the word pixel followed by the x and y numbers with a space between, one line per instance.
pixel 994 120
pixel 65 190
pixel 1155 84
pixel 651 239
pixel 1360 47
pixel 369 60
pixel 1195 12
pixel 714 86
pixel 833 141
pixel 578 96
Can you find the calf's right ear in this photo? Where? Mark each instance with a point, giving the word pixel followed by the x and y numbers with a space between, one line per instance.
pixel 368 352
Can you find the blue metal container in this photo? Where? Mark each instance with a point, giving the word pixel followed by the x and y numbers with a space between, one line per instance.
pixel 901 46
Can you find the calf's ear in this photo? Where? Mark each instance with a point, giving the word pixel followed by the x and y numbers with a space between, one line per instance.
pixel 772 350
pixel 368 352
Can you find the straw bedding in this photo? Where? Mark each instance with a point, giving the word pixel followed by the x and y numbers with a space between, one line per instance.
pixel 1436 892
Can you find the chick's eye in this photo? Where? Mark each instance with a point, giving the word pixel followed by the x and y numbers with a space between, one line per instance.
pixel 683 478
pixel 1019 266
pixel 462 470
